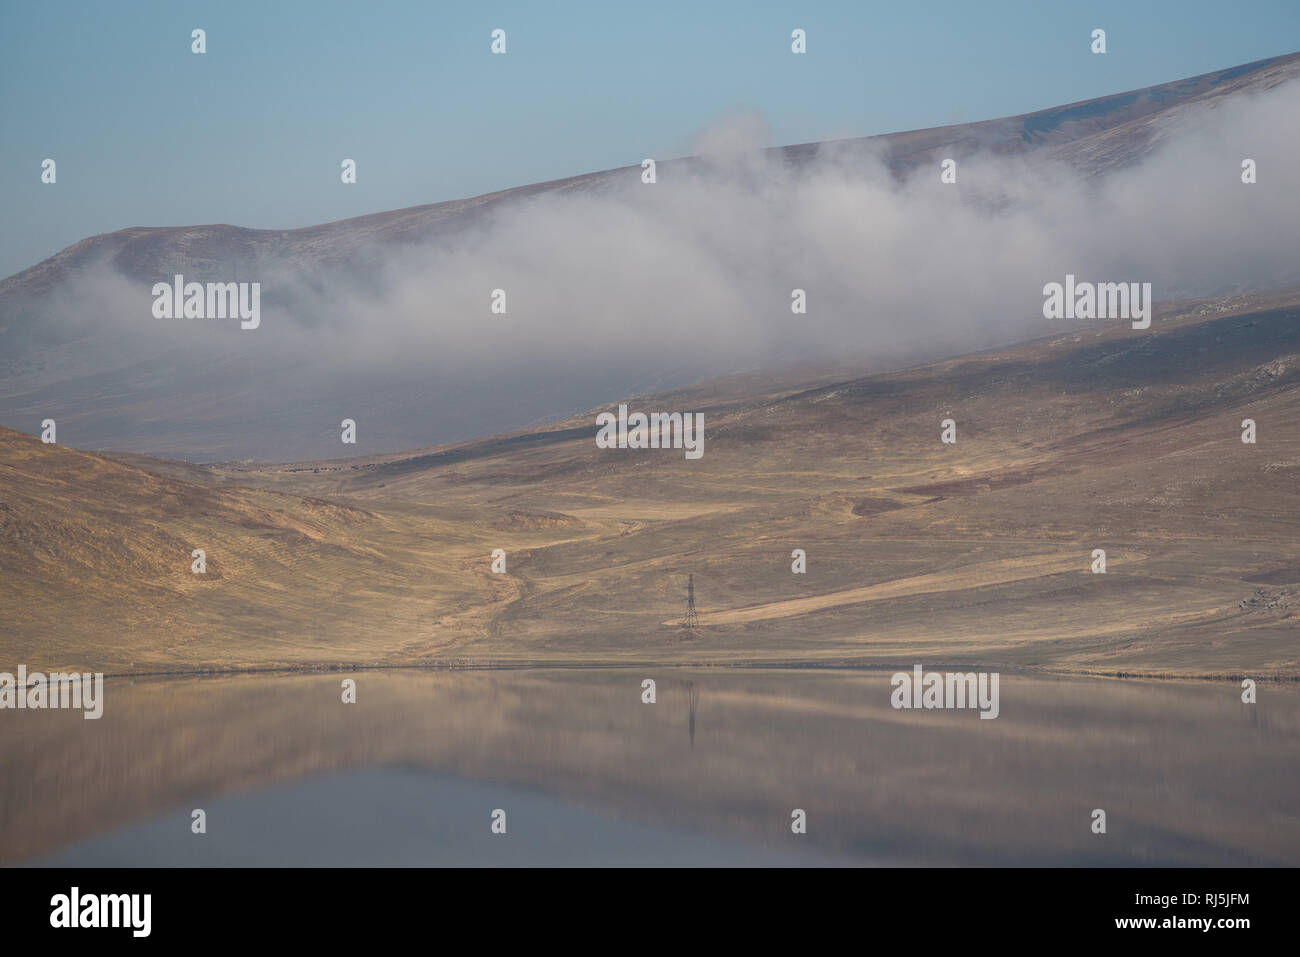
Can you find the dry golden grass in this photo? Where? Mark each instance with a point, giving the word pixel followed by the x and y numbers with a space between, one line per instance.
pixel 977 552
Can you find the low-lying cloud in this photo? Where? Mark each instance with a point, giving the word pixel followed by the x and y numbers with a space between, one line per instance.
pixel 627 287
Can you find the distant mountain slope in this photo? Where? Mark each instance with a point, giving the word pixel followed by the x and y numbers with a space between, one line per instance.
pixel 975 552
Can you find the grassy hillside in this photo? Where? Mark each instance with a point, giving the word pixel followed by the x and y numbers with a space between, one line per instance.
pixel 975 552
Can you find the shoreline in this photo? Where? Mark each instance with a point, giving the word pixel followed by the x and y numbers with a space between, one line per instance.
pixel 792 665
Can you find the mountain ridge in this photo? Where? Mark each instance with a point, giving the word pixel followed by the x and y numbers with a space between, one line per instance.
pixel 908 149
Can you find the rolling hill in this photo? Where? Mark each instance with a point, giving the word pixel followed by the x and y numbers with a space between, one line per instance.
pixel 974 552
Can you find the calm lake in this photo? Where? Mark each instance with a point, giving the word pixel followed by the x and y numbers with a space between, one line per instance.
pixel 414 772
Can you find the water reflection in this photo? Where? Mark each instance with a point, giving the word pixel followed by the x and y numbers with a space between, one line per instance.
pixel 1186 773
pixel 693 696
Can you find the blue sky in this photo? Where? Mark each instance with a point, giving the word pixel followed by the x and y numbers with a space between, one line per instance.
pixel 252 132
